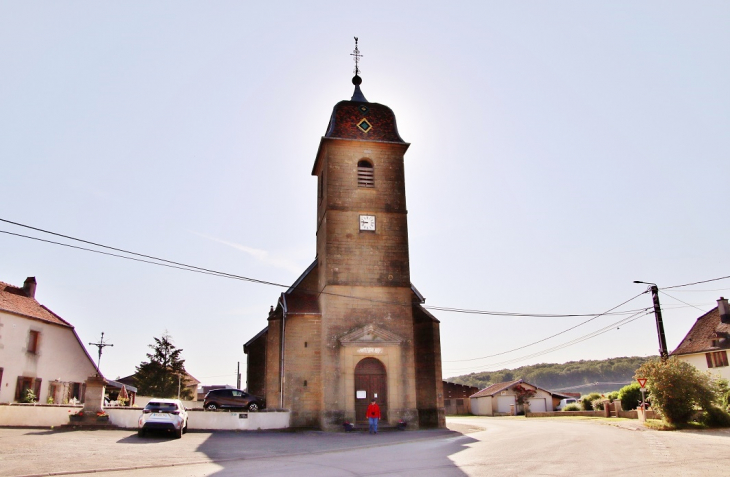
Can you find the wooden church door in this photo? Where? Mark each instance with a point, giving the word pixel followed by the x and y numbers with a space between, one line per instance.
pixel 371 381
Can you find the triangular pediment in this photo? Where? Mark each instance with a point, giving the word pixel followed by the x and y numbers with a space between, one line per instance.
pixel 370 335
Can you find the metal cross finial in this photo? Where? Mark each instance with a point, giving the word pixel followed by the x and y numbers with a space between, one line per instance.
pixel 356 56
pixel 101 345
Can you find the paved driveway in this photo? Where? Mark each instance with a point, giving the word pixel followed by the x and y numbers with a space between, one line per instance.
pixel 474 446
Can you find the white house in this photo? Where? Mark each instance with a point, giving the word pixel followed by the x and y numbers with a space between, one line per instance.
pixel 705 346
pixel 501 398
pixel 39 350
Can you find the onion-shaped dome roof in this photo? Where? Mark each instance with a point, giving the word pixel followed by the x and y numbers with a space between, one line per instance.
pixel 362 120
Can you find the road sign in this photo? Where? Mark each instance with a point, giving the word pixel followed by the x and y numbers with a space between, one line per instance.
pixel 642 382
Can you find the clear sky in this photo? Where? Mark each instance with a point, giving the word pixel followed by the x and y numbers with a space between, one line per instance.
pixel 560 150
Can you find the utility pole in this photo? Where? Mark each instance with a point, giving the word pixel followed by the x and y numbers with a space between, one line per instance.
pixel 238 376
pixel 101 345
pixel 658 316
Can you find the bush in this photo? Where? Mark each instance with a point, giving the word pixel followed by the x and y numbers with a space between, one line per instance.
pixel 572 407
pixel 586 402
pixel 677 387
pixel 612 396
pixel 724 388
pixel 630 396
pixel 598 404
pixel 715 417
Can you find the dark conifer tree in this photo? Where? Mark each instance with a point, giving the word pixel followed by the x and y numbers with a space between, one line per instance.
pixel 165 370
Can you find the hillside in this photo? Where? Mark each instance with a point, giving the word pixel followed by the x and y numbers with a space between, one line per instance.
pixel 577 376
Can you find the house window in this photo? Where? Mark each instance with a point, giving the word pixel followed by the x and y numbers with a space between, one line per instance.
pixel 716 359
pixel 33 341
pixel 76 391
pixel 447 402
pixel 53 392
pixel 459 402
pixel 365 174
pixel 25 383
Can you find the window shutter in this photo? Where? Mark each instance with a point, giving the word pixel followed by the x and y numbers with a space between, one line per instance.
pixel 37 389
pixel 723 357
pixel 709 359
pixel 19 388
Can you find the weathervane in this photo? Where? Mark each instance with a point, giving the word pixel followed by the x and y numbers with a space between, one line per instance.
pixel 101 345
pixel 356 56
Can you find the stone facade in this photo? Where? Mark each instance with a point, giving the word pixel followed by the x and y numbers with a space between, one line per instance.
pixel 355 303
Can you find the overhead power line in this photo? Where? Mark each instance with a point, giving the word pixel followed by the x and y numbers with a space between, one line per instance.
pixel 178 264
pixel 674 298
pixel 556 334
pixel 494 366
pixel 696 283
pixel 152 260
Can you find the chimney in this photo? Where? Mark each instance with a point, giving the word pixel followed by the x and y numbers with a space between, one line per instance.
pixel 724 309
pixel 30 284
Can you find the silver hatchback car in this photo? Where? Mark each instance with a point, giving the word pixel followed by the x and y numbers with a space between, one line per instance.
pixel 163 415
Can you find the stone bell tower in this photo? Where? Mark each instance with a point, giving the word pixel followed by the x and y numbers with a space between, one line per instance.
pixel 353 328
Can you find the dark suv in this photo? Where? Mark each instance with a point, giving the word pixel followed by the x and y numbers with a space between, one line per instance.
pixel 232 399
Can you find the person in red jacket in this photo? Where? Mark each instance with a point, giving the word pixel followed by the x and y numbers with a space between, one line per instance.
pixel 373 414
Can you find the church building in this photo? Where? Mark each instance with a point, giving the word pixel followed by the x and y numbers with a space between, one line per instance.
pixel 352 327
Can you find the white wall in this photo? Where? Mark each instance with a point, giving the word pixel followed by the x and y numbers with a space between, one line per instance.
pixel 481 406
pixel 699 361
pixel 141 401
pixel 59 357
pixel 27 415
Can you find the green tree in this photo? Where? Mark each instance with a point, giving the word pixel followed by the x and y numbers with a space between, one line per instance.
pixel 159 377
pixel 630 396
pixel 677 388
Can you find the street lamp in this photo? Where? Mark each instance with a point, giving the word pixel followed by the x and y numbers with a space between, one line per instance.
pixel 658 315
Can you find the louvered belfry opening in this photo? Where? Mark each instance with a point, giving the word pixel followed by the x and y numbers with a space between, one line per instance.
pixel 365 174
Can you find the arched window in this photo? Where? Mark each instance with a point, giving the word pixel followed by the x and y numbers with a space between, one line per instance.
pixel 365 174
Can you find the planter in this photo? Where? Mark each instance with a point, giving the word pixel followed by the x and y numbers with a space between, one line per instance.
pixel 102 418
pixel 75 418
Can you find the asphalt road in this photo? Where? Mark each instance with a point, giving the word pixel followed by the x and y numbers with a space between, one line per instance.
pixel 475 446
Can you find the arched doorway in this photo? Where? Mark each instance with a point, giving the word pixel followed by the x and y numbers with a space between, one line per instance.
pixel 371 381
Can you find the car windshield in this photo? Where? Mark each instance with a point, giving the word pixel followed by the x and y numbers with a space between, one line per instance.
pixel 161 406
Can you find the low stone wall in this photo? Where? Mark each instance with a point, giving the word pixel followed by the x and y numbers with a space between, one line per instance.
pixel 42 415
pixel 35 415
pixel 635 414
pixel 565 413
pixel 141 401
pixel 222 420
pixel 625 414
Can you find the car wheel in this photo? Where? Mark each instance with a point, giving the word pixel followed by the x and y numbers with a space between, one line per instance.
pixel 178 433
pixel 212 406
pixel 140 433
pixel 185 428
pixel 253 407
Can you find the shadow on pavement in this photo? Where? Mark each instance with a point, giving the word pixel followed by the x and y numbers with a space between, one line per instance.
pixel 336 453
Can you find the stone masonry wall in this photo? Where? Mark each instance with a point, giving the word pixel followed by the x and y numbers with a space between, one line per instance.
pixel 302 369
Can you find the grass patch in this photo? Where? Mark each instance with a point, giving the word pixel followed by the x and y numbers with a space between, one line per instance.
pixel 660 425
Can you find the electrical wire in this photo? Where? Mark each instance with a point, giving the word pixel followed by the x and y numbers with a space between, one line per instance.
pixel 206 271
pixel 696 283
pixel 673 298
pixel 556 334
pixel 178 264
pixel 492 366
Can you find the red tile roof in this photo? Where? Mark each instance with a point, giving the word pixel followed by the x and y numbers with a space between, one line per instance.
pixel 15 300
pixel 707 334
pixel 495 388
